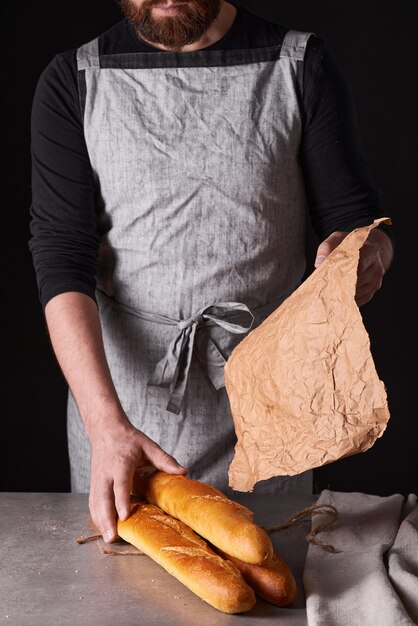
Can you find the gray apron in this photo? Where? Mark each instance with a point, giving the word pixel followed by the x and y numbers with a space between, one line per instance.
pixel 202 214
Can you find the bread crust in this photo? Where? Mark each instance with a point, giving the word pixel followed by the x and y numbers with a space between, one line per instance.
pixel 187 557
pixel 226 524
pixel 272 581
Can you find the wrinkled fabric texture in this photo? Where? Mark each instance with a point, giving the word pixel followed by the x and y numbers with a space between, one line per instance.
pixel 373 578
pixel 173 369
pixel 202 201
pixel 303 387
pixel 402 559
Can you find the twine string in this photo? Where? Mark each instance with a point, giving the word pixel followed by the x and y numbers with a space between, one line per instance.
pixel 297 518
pixel 301 516
pixel 86 539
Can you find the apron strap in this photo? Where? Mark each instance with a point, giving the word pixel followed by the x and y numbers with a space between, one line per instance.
pixel 294 48
pixel 294 44
pixel 173 369
pixel 88 55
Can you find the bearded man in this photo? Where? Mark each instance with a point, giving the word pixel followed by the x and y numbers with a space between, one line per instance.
pixel 177 159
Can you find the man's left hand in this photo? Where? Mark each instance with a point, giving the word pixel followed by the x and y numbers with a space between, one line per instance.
pixel 375 257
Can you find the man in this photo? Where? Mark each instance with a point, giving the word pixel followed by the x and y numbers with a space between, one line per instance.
pixel 176 160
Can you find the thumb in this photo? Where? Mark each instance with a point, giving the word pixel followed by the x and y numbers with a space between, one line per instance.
pixel 327 246
pixel 320 258
pixel 323 251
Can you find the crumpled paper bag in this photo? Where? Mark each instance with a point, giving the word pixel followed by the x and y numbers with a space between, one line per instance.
pixel 302 386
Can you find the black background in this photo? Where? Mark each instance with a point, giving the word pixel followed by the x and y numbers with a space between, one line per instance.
pixel 375 44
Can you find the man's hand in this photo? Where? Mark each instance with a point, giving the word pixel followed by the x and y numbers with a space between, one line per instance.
pixel 115 455
pixel 117 448
pixel 375 257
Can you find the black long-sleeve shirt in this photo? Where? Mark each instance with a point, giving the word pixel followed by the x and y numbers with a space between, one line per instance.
pixel 64 236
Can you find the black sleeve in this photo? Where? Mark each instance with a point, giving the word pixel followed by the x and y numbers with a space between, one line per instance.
pixel 340 192
pixel 63 226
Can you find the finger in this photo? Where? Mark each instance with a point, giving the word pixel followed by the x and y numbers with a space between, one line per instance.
pixel 364 299
pixel 369 257
pixel 140 477
pixel 366 293
pixel 366 261
pixel 103 510
pixel 319 259
pixel 161 459
pixel 370 275
pixel 328 245
pixel 92 507
pixel 122 491
pixel 370 270
pixel 371 282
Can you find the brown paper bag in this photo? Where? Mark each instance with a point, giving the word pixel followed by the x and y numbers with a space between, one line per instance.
pixel 302 386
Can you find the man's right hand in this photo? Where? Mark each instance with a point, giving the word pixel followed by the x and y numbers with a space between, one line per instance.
pixel 117 447
pixel 116 453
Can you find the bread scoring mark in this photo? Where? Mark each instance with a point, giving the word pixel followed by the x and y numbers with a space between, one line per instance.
pixel 225 500
pixel 199 552
pixel 210 497
pixel 168 521
pixel 179 527
pixel 191 551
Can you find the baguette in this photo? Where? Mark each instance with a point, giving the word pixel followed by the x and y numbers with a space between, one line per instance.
pixel 187 557
pixel 272 581
pixel 224 523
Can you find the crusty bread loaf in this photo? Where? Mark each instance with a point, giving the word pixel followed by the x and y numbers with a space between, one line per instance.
pixel 273 580
pixel 185 555
pixel 226 524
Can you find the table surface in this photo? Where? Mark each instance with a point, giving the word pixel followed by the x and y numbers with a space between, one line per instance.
pixel 47 578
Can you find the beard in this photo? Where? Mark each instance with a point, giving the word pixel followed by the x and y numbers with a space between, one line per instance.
pixel 172 31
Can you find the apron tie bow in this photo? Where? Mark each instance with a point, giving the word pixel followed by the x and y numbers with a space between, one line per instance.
pixel 173 369
pixel 195 319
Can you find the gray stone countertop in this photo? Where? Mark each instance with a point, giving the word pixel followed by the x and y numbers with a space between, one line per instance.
pixel 46 578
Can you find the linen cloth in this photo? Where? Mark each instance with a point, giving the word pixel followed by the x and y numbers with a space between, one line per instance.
pixel 373 578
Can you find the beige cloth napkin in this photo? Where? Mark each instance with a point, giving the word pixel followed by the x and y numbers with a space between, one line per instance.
pixel 355 586
pixel 403 559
